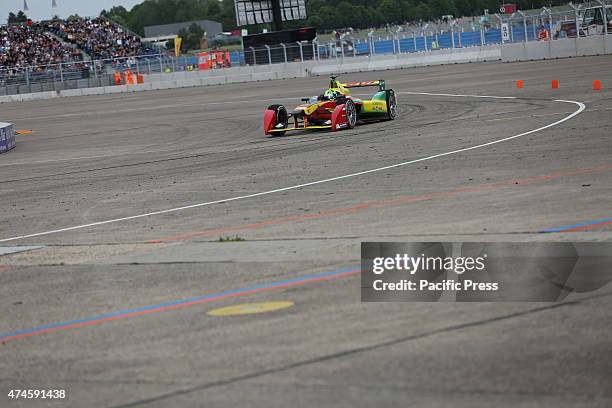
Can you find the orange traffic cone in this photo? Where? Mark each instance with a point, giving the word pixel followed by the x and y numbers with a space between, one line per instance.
pixel 554 84
pixel 597 85
pixel 519 84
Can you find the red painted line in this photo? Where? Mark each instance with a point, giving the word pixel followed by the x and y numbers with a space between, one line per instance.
pixel 587 227
pixel 380 203
pixel 176 306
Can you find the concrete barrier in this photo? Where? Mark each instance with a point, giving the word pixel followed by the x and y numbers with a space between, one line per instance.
pixel 71 92
pixel 383 62
pixel 93 91
pixel 560 48
pixel 219 80
pixel 263 76
pixel 115 89
pixel 7 137
pixel 534 50
pixel 291 74
pixel 188 83
pixel 239 78
pixel 163 85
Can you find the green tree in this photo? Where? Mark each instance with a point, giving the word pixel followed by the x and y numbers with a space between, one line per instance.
pixel 20 17
pixel 323 14
pixel 213 9
pixel 444 7
pixel 118 14
pixel 191 37
pixel 391 11
pixel 315 21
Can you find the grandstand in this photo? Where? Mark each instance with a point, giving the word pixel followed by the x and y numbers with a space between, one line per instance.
pixel 38 45
pixel 32 45
pixel 100 38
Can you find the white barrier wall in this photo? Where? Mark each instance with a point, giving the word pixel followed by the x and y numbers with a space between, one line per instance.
pixel 561 48
pixel 533 50
pixel 397 61
pixel 279 71
pixel 7 137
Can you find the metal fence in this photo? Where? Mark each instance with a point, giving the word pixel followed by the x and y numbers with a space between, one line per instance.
pixel 82 74
pixel 580 21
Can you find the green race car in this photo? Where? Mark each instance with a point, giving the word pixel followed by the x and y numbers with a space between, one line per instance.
pixel 335 109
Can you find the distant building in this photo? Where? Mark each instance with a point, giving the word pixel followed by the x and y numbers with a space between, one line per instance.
pixel 171 30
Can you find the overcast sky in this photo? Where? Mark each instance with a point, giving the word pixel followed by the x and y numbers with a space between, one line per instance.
pixel 41 9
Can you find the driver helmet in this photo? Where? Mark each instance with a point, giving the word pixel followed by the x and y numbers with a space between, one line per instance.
pixel 331 94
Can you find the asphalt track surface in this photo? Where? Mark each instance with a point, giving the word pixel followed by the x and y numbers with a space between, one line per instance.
pixel 116 312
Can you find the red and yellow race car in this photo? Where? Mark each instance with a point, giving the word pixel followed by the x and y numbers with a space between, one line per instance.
pixel 335 109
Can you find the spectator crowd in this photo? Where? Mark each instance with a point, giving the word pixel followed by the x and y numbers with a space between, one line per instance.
pixel 38 45
pixel 30 44
pixel 99 38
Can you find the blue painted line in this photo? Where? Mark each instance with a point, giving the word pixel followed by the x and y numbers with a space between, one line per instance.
pixel 579 225
pixel 181 301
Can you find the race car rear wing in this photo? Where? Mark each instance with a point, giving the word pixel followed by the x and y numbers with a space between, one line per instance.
pixel 380 83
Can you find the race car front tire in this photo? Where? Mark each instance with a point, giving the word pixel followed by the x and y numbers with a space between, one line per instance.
pixel 351 113
pixel 280 120
pixel 391 105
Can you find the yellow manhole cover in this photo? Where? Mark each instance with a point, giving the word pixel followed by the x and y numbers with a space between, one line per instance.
pixel 250 308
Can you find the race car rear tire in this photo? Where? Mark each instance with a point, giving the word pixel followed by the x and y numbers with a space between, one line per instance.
pixel 391 105
pixel 281 117
pixel 351 113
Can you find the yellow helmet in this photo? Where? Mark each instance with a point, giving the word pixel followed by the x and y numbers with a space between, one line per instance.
pixel 331 94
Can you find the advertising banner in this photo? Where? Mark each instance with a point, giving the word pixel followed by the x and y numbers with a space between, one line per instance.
pixel 505 31
pixel 7 137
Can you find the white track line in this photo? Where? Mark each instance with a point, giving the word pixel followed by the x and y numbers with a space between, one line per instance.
pixel 81 158
pixel 581 107
pixel 146 108
pixel 157 107
pixel 464 96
